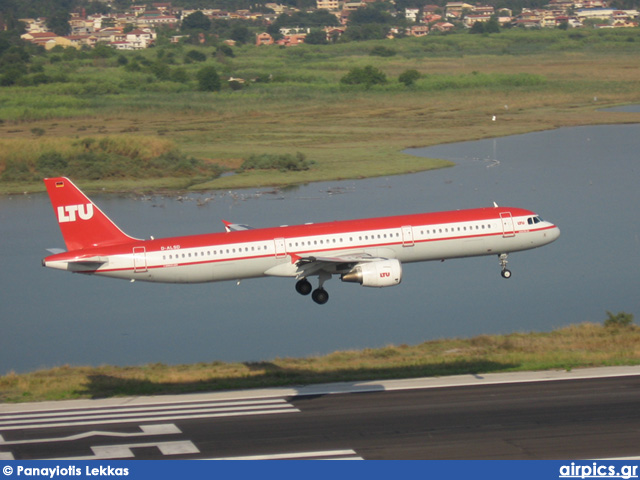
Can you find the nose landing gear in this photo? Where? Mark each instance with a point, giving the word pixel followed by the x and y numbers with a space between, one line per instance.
pixel 506 273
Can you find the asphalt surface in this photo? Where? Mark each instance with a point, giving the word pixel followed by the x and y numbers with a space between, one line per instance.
pixel 576 418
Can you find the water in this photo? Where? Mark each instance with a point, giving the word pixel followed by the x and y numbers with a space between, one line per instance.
pixel 583 179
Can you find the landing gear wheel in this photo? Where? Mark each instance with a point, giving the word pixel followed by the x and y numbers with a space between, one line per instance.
pixel 320 296
pixel 303 287
pixel 503 266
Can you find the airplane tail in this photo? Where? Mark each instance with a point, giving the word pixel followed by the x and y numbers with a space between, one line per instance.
pixel 82 223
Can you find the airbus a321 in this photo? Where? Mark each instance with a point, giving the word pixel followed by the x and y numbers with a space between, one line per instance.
pixel 369 252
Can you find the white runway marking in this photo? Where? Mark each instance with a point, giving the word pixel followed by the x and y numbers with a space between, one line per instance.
pixel 163 429
pixel 323 455
pixel 143 413
pixel 109 452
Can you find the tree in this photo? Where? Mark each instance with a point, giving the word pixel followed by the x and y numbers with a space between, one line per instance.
pixel 240 33
pixel 367 76
pixel 370 14
pixel 58 23
pixel 620 319
pixel 477 27
pixel 316 37
pixel 194 56
pixel 409 77
pixel 208 79
pixel 225 51
pixel 492 26
pixel 369 31
pixel 196 21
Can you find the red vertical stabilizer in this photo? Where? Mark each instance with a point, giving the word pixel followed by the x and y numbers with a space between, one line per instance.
pixel 82 223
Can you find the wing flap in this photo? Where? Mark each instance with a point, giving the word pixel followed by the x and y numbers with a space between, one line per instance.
pixel 312 265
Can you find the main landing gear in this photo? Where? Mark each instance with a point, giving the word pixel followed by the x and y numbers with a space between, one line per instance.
pixel 319 295
pixel 506 273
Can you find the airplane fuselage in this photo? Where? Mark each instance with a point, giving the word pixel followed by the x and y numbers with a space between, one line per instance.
pixel 275 251
pixel 367 251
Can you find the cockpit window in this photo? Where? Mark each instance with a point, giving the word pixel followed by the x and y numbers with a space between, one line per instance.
pixel 533 220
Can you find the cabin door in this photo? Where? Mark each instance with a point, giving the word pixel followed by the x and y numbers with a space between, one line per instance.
pixel 508 229
pixel 407 236
pixel 139 260
pixel 281 250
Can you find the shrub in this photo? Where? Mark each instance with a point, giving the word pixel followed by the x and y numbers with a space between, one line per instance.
pixel 381 51
pixel 409 77
pixel 16 171
pixel 367 76
pixel 194 56
pixel 620 319
pixel 286 162
pixel 225 50
pixel 208 79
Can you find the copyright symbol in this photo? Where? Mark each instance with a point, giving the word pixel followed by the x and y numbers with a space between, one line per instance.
pixel 8 470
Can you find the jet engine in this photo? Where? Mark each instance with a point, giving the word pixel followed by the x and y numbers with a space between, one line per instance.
pixel 382 273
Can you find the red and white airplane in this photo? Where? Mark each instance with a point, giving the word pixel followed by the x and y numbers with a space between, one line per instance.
pixel 367 251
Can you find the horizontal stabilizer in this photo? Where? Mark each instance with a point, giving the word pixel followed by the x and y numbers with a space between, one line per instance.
pixel 236 227
pixel 90 260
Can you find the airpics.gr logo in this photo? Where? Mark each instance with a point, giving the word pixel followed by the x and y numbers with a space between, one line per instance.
pixel 70 213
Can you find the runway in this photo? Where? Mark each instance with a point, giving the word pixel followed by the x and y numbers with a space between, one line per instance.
pixel 546 415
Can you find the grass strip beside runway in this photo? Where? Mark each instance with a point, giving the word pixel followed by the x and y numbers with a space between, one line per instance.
pixel 584 345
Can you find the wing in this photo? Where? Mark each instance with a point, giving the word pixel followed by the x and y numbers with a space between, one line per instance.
pixel 312 265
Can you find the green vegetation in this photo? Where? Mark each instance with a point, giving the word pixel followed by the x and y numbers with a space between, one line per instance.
pixel 619 320
pixel 102 158
pixel 585 345
pixel 283 163
pixel 367 76
pixel 284 100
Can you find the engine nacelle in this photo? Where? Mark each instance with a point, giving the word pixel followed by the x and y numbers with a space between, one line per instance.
pixel 383 273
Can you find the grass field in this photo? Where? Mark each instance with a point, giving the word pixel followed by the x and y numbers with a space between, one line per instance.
pixel 529 80
pixel 585 345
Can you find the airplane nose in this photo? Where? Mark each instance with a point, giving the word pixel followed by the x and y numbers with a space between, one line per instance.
pixel 553 234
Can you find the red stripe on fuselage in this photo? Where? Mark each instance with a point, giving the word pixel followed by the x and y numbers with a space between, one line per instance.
pixel 177 245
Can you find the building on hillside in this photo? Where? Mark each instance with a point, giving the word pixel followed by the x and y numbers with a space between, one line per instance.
pixel 411 14
pixel 34 25
pixel 39 38
pixel 276 7
pixel 456 8
pixel 418 31
pixel 141 39
pixel 352 6
pixel 483 10
pixel 327 5
pixel 470 20
pixel 443 26
pixel 292 40
pixel 264 39
pixel 334 33
pixel 163 7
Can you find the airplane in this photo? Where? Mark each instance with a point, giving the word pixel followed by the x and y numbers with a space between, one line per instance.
pixel 369 252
